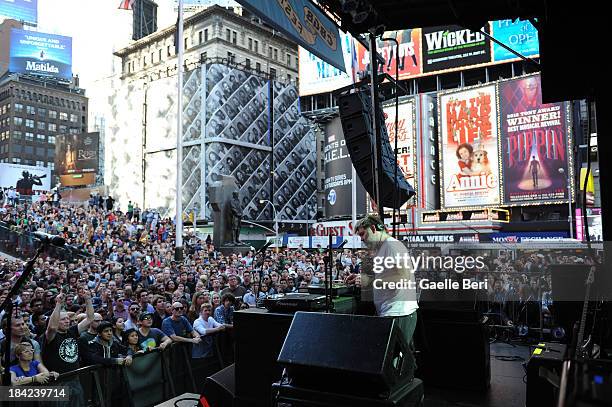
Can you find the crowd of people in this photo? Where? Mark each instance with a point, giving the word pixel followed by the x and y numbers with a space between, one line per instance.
pixel 129 295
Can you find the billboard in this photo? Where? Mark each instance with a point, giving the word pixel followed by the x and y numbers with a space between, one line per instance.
pixel 35 53
pixel 520 35
pixel 454 47
pixel 25 178
pixel 468 148
pixel 76 158
pixel 339 174
pixel 408 56
pixel 406 139
pixel 594 225
pixel 20 10
pixel 317 76
pixel 302 23
pixel 535 140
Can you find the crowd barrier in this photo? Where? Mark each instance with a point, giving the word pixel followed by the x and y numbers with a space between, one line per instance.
pixel 152 378
pixel 23 245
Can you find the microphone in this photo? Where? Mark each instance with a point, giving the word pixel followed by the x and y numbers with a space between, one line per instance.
pixel 341 245
pixel 47 238
pixel 264 247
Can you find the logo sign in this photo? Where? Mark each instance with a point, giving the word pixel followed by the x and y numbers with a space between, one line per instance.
pixel 41 54
pixel 20 10
pixel 302 23
pixel 331 197
pixel 453 47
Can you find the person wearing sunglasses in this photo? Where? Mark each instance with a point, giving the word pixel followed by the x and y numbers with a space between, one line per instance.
pixel 177 326
pixel 28 370
pixel 148 337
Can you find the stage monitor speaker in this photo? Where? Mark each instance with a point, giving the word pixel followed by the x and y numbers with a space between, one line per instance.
pixel 363 355
pixel 356 117
pixel 548 359
pixel 219 389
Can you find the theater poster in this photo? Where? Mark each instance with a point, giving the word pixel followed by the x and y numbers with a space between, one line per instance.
pixel 405 141
pixel 534 144
pixel 468 148
pixel 408 56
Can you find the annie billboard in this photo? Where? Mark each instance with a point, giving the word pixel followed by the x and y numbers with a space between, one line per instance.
pixel 468 148
pixel 535 140
pixel 35 53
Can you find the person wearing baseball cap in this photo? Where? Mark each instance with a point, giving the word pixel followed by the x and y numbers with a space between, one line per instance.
pixel 148 337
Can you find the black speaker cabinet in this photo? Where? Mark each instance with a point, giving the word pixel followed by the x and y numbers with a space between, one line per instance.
pixel 331 352
pixel 453 349
pixel 259 336
pixel 540 393
pixel 220 388
pixel 357 125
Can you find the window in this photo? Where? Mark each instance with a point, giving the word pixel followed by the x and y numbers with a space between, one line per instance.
pixel 206 34
pixel 152 57
pixel 74 118
pixel 234 37
pixel 41 125
pixel 168 50
pixel 28 149
pixel 250 44
pixel 51 166
pixel 230 57
pixel 42 112
pixel 18 108
pixel 144 61
pixel 17 148
pixel 30 110
pixel 247 62
pixel 272 73
pixel 199 37
pixel 270 52
pixel 63 129
pixel 289 78
pixel 186 43
pixel 258 66
pixel 29 136
pixel 159 54
pixel 52 127
pixel 50 152
pixel 16 160
pixel 275 54
pixel 289 59
pixel 52 114
pixel 51 139
pixel 256 44
pixel 18 121
pixel 29 123
pixel 63 116
pixel 203 57
pixel 40 163
pixel 228 35
pixel 74 130
pixel 41 137
pixel 17 135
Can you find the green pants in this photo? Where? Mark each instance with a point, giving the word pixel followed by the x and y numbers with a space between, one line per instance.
pixel 407 325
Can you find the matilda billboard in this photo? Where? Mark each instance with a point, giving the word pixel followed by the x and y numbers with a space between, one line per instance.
pixel 468 148
pixel 535 140
pixel 35 53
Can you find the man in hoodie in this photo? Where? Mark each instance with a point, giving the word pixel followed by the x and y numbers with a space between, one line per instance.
pixel 104 350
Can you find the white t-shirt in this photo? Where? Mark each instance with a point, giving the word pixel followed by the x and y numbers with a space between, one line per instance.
pixel 394 302
pixel 201 326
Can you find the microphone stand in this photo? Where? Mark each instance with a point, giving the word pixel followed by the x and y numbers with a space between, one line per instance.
pixel 7 306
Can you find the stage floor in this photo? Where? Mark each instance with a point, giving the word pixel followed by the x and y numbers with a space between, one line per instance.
pixel 507 386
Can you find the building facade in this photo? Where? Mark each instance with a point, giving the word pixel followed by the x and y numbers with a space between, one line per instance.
pixel 32 113
pixel 141 137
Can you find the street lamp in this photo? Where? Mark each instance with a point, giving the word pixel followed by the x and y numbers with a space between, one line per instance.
pixel 569 201
pixel 275 217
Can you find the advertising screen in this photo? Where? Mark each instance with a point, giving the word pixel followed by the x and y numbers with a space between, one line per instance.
pixel 468 148
pixel 338 174
pixel 519 35
pixel 534 144
pixel 317 76
pixel 25 178
pixel 76 158
pixel 35 53
pixel 20 10
pixel 405 141
pixel 408 55
pixel 452 47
